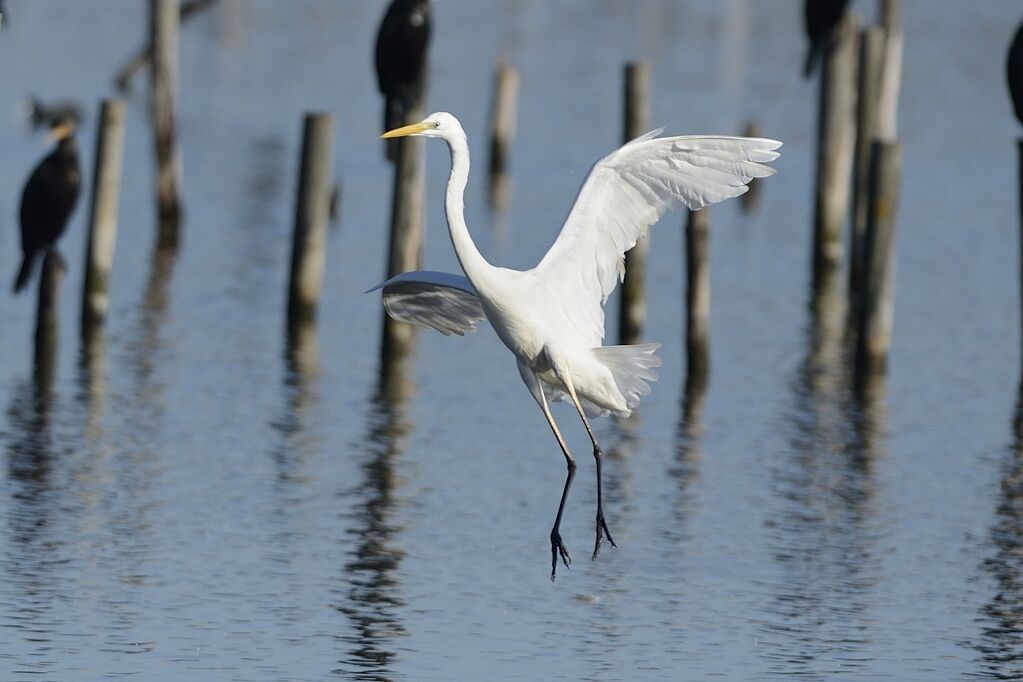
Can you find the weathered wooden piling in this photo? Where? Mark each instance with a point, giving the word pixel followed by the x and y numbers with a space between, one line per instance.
pixel 698 296
pixel 632 310
pixel 502 131
pixel 836 134
pixel 163 24
pixel 141 58
pixel 748 202
pixel 891 71
pixel 871 52
pixel 1019 148
pixel 47 322
pixel 878 293
pixel 312 212
pixel 99 254
pixel 406 244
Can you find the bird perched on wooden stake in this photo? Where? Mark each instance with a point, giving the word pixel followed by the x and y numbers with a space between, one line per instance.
pixel 820 18
pixel 551 317
pixel 49 198
pixel 1014 72
pixel 401 60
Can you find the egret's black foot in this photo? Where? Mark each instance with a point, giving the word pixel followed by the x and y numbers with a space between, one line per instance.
pixel 558 547
pixel 602 530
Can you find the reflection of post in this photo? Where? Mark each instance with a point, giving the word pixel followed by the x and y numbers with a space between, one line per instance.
pixel 1001 646
pixel 502 132
pixel 834 146
pixel 47 325
pixel 373 601
pixel 103 213
pixel 311 215
pixel 698 295
pixel 406 245
pixel 163 24
pixel 632 313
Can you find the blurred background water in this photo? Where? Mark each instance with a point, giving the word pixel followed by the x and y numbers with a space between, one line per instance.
pixel 192 501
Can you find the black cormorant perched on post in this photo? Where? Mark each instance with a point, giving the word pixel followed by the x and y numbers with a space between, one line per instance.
pixel 820 17
pixel 49 198
pixel 401 58
pixel 1014 72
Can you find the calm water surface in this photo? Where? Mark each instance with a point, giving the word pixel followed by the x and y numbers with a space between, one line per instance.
pixel 192 496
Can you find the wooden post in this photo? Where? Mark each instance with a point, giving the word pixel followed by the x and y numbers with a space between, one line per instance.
pixel 632 310
pixel 99 254
pixel 698 297
pixel 406 245
pixel 311 215
pixel 502 131
pixel 891 72
pixel 878 294
pixel 868 89
pixel 163 25
pixel 47 323
pixel 836 135
pixel 748 201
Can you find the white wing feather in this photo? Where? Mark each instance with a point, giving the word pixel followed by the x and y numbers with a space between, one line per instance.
pixel 439 300
pixel 627 192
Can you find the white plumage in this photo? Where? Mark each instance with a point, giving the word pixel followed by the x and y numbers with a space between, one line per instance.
pixel 551 317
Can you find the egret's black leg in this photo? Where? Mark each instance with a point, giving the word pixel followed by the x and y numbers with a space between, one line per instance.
pixel 557 546
pixel 602 528
pixel 601 523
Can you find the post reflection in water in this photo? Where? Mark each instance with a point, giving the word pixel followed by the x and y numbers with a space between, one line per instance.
pixel 33 558
pixel 373 598
pixel 687 452
pixel 1001 646
pixel 302 370
pixel 823 532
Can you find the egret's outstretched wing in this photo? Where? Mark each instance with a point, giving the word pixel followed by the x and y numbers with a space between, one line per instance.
pixel 628 191
pixel 439 300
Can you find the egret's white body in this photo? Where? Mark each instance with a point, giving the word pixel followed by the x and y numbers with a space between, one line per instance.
pixel 551 317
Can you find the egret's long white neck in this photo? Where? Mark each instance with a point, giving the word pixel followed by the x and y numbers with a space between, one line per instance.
pixel 471 260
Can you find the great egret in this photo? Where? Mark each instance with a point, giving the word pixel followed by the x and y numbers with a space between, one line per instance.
pixel 401 58
pixel 551 317
pixel 49 198
pixel 820 18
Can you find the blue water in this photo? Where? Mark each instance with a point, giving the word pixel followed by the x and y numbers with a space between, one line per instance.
pixel 190 499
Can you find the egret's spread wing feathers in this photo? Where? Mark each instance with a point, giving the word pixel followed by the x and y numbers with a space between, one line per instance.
pixel 439 300
pixel 628 191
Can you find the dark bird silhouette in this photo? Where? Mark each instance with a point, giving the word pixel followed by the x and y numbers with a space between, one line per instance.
pixel 820 18
pixel 49 199
pixel 1014 72
pixel 401 58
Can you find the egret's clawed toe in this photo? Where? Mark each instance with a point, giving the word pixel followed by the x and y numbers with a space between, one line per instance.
pixel 558 547
pixel 602 530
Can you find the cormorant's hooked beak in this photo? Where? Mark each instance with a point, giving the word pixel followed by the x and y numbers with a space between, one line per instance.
pixel 414 129
pixel 62 130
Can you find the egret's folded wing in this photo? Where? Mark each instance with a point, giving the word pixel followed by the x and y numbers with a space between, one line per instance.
pixel 439 300
pixel 628 191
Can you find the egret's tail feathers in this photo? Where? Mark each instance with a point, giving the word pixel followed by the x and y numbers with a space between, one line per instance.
pixel 632 367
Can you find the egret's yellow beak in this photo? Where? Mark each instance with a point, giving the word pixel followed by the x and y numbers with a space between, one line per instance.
pixel 413 129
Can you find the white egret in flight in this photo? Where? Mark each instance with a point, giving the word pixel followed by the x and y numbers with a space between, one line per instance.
pixel 551 317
